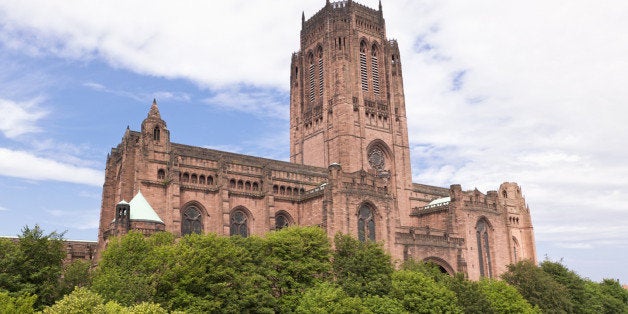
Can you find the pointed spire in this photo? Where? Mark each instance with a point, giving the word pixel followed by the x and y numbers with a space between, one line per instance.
pixel 154 110
pixel 380 5
pixel 302 18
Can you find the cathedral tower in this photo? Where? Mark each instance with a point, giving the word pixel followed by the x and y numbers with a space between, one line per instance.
pixel 347 104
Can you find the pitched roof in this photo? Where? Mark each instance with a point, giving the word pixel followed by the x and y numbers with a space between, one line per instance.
pixel 141 210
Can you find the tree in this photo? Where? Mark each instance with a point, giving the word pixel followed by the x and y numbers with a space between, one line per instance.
pixel 16 305
pixel 75 274
pixel 131 267
pixel 577 291
pixel 329 298
pixel 505 298
pixel 470 298
pixel 210 273
pixel 33 265
pixel 420 294
pixel 538 287
pixel 383 305
pixel 81 300
pixel 614 297
pixel 294 259
pixel 361 268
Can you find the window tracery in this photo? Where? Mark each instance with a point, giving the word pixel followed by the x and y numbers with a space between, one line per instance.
pixel 363 74
pixel 282 220
pixel 239 223
pixel 484 249
pixel 191 221
pixel 375 69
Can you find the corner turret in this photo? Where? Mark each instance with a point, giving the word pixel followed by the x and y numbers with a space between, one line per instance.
pixel 154 128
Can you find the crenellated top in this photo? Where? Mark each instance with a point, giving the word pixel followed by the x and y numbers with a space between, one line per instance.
pixel 347 8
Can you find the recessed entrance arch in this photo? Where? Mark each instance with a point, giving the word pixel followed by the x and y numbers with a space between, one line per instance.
pixel 443 266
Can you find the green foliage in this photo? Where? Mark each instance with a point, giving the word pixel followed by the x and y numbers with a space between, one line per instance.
pixel 75 274
pixel 421 294
pixel 329 298
pixel 614 297
pixel 16 305
pixel 504 298
pixel 300 256
pixel 33 265
pixel 361 268
pixel 81 300
pixel 427 268
pixel 383 305
pixel 583 299
pixel 209 273
pixel 147 308
pixel 470 297
pixel 538 287
pixel 131 267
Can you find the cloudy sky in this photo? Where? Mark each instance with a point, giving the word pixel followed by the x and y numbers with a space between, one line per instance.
pixel 525 91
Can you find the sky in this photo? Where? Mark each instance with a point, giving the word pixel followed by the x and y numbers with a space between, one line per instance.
pixel 525 91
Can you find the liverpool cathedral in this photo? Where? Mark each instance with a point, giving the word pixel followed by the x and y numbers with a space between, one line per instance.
pixel 349 169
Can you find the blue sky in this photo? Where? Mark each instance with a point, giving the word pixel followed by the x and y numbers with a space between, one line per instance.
pixel 532 92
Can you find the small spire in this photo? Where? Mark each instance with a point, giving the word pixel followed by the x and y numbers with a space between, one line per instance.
pixel 154 110
pixel 380 5
pixel 302 18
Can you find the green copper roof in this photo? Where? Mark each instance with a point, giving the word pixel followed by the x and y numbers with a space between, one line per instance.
pixel 141 210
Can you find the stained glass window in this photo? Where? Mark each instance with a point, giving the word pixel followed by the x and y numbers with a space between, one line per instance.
pixel 239 223
pixel 192 221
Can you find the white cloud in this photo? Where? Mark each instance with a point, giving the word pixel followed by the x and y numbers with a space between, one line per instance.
pixel 255 101
pixel 19 118
pixel 21 164
pixel 140 96
pixel 3 209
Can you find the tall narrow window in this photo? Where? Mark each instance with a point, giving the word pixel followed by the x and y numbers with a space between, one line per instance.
pixel 375 70
pixel 484 249
pixel 191 221
pixel 156 133
pixel 515 249
pixel 310 77
pixel 239 223
pixel 161 174
pixel 319 55
pixel 363 74
pixel 366 223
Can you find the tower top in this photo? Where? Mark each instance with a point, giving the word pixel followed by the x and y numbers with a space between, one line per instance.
pixel 154 110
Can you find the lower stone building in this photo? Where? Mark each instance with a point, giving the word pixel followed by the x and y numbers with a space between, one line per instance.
pixel 349 169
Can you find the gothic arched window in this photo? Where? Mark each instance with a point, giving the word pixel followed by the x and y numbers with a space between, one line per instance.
pixel 484 248
pixel 515 249
pixel 239 223
pixel 161 174
pixel 375 69
pixel 282 220
pixel 366 223
pixel 310 77
pixel 156 133
pixel 363 75
pixel 319 56
pixel 191 221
